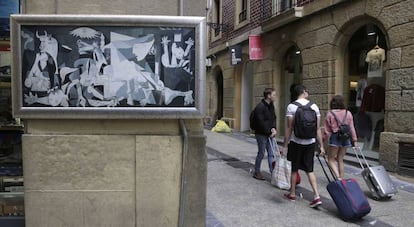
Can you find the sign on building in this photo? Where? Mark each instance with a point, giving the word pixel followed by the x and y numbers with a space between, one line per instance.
pixel 255 47
pixel 235 55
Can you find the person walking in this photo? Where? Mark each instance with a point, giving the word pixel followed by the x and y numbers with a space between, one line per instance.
pixel 264 126
pixel 303 128
pixel 340 133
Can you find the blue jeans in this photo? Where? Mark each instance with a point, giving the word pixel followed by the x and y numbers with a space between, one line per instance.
pixel 263 144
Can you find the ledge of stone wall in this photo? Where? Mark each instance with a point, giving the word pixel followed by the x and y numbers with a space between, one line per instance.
pixel 389 148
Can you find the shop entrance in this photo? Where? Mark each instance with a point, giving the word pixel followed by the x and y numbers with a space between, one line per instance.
pixel 246 96
pixel 291 76
pixel 219 83
pixel 364 83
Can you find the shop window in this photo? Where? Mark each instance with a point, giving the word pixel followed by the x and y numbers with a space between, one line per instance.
pixel 364 87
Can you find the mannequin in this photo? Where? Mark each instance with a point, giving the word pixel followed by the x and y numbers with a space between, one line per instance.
pixel 375 59
pixel 362 84
pixel 373 104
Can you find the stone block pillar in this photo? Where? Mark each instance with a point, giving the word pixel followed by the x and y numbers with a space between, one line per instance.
pixel 113 173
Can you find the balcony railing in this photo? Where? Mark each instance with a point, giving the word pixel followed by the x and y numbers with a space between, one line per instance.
pixel 280 6
pixel 243 15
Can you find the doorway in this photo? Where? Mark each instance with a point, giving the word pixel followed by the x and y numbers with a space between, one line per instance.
pixel 246 96
pixel 219 82
pixel 291 76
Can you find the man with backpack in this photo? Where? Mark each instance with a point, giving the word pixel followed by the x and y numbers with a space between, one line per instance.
pixel 263 122
pixel 303 128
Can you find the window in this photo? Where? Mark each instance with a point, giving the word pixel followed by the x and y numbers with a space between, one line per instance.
pixel 217 16
pixel 242 13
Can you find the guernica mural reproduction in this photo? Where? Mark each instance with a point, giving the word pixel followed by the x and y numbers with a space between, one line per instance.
pixel 107 66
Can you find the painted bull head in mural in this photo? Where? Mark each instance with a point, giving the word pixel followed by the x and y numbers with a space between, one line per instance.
pixel 48 44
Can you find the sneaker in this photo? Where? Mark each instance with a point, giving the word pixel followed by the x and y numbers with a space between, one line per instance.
pixel 290 197
pixel 258 175
pixel 315 203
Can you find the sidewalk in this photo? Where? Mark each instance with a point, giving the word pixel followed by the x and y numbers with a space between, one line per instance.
pixel 234 198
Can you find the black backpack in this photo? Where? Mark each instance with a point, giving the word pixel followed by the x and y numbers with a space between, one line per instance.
pixel 344 131
pixel 305 124
pixel 252 118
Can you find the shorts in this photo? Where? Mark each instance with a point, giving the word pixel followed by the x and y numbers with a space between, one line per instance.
pixel 334 141
pixel 301 156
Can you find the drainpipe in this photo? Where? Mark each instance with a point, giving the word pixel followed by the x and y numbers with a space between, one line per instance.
pixel 183 191
pixel 181 8
pixel 56 6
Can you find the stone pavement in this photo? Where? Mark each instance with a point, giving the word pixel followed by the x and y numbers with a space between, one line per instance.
pixel 234 198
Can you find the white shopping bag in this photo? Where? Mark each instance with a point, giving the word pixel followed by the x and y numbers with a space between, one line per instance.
pixel 282 171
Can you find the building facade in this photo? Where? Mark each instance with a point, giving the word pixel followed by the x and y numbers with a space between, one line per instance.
pixel 362 49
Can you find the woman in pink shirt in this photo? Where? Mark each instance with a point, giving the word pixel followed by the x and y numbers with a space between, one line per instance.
pixel 339 142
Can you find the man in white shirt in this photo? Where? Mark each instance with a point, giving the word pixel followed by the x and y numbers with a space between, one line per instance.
pixel 300 151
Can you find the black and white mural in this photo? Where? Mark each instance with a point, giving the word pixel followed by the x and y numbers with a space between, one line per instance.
pixel 107 66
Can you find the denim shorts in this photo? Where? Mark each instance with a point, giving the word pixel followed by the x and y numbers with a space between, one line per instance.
pixel 334 141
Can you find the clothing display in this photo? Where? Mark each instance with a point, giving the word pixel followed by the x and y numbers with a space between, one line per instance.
pixel 363 125
pixel 373 99
pixel 375 59
pixel 361 60
pixel 362 84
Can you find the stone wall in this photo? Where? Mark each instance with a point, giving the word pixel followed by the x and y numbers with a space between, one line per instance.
pixel 130 7
pixel 111 173
pixel 114 172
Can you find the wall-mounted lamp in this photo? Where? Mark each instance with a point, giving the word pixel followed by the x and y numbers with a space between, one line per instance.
pixel 208 62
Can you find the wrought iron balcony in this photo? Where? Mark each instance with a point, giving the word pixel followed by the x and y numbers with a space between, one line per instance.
pixel 281 6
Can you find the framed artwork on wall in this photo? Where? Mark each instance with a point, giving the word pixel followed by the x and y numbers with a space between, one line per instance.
pixel 97 66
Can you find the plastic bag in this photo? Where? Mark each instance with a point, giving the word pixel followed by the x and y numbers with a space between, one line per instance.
pixel 282 171
pixel 221 126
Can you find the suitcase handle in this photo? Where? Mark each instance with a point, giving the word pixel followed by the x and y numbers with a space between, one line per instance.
pixel 359 159
pixel 330 170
